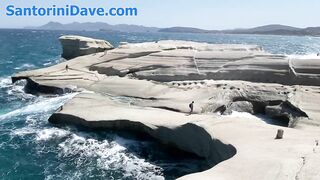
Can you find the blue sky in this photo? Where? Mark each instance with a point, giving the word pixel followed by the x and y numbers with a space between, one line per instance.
pixel 207 14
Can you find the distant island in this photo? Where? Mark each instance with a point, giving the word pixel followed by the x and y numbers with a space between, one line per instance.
pixel 273 29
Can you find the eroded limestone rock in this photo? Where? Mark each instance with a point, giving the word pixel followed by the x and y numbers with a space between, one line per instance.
pixel 74 46
pixel 123 97
pixel 240 106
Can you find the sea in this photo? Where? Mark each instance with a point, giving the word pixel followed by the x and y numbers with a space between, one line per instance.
pixel 32 148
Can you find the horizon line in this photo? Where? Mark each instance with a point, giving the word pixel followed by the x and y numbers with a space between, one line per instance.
pixel 219 29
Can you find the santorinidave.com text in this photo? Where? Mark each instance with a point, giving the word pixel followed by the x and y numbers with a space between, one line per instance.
pixel 70 10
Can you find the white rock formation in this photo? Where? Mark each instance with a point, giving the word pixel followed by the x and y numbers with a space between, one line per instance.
pixel 180 60
pixel 74 46
pixel 147 87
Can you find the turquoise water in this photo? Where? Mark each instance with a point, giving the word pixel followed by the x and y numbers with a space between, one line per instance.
pixel 31 148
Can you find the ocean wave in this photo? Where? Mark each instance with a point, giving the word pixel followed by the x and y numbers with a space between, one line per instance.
pixel 89 153
pixel 25 66
pixel 41 105
pixel 5 82
pixel 33 126
pixel 51 133
pixel 52 61
pixel 15 90
pixel 24 131
pixel 110 155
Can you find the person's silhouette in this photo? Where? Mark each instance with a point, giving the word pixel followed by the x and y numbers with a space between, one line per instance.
pixel 191 107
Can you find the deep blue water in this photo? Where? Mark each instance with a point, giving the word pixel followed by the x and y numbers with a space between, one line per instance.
pixel 31 148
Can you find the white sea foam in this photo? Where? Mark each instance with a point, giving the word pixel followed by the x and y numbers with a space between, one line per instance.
pixel 110 156
pixel 25 66
pixel 47 64
pixel 30 127
pixel 52 61
pixel 51 133
pixel 31 120
pixel 16 89
pixel 24 131
pixel 34 126
pixel 42 105
pixel 5 82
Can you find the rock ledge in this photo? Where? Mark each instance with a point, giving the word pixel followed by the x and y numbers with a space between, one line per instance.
pixel 74 46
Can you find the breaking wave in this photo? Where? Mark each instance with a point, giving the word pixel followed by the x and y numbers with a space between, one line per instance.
pixel 5 82
pixel 41 105
pixel 25 66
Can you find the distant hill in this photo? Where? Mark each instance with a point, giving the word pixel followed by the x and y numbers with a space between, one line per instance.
pixel 96 26
pixel 269 28
pixel 313 31
pixel 273 29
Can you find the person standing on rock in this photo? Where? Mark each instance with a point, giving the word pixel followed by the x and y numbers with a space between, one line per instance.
pixel 67 68
pixel 191 107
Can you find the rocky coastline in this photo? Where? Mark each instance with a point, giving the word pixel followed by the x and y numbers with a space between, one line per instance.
pixel 146 87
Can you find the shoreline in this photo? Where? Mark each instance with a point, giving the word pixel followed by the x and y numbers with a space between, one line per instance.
pixel 158 80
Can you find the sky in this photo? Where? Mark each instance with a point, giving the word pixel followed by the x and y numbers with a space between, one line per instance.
pixel 205 14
